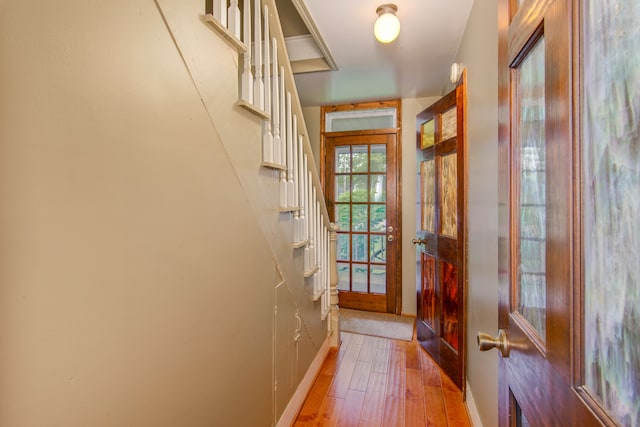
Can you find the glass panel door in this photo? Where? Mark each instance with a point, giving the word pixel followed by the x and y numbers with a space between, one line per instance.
pixel 362 176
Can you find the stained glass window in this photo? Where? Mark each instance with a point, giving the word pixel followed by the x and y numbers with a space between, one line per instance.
pixel 449 196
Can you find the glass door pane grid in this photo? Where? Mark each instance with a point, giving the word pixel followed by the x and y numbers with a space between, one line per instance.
pixel 360 210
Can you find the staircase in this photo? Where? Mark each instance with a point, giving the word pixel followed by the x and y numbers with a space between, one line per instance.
pixel 248 71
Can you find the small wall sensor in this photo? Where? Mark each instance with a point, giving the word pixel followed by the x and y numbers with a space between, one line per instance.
pixel 456 69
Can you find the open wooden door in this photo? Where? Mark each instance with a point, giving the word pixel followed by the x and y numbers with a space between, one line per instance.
pixel 569 238
pixel 441 231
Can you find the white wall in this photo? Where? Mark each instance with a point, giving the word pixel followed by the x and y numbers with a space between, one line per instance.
pixel 478 52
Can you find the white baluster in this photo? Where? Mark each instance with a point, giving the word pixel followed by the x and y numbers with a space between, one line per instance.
pixel 258 83
pixel 290 196
pixel 334 310
pixel 296 215
pixel 318 231
pixel 300 179
pixel 327 266
pixel 304 203
pixel 267 137
pixel 307 249
pixel 220 11
pixel 234 18
pixel 283 119
pixel 283 138
pixel 325 260
pixel 312 230
pixel 247 75
pixel 277 143
pixel 294 155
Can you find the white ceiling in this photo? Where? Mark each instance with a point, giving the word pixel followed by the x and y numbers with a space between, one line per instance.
pixel 416 64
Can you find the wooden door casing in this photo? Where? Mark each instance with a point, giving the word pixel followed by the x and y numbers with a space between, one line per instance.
pixel 444 257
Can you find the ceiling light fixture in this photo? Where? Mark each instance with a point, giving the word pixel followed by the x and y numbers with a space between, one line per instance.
pixel 387 26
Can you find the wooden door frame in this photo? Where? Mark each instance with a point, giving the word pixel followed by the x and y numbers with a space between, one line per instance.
pixel 397 104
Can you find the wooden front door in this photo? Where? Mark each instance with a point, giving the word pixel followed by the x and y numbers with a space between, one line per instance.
pixel 569 148
pixel 441 231
pixel 362 198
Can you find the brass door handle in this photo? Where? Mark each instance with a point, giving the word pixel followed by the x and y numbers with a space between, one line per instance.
pixel 419 241
pixel 487 342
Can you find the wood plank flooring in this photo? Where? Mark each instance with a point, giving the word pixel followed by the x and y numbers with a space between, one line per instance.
pixel 373 381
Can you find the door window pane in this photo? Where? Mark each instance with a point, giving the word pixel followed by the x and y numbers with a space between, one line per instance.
pixel 359 218
pixel 359 188
pixel 378 188
pixel 378 218
pixel 343 159
pixel 428 191
pixel 449 123
pixel 427 134
pixel 343 276
pixel 449 196
pixel 378 158
pixel 378 248
pixel 359 280
pixel 521 420
pixel 378 275
pixel 343 247
pixel 360 248
pixel 343 212
pixel 343 184
pixel 359 158
pixel 611 189
pixel 378 118
pixel 531 198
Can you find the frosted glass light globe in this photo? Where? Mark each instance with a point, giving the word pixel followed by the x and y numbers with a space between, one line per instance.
pixel 386 28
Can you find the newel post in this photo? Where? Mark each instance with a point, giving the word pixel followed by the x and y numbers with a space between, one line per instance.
pixel 334 313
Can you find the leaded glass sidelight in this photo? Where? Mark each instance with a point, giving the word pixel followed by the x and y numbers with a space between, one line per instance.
pixel 531 197
pixel 611 204
pixel 449 123
pixel 449 196
pixel 428 195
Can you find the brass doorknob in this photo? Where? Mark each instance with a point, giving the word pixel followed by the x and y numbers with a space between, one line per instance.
pixel 418 241
pixel 487 342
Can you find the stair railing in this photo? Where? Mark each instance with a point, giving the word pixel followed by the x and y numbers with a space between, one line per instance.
pixel 267 88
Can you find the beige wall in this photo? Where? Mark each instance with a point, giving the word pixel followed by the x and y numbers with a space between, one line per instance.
pixel 479 54
pixel 138 234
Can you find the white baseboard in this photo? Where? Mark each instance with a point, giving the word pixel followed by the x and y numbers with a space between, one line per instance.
pixel 472 409
pixel 297 400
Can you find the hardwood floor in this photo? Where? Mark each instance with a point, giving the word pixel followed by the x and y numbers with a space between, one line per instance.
pixel 373 381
